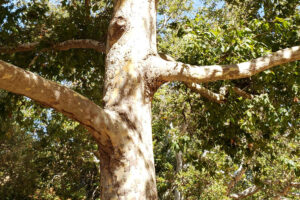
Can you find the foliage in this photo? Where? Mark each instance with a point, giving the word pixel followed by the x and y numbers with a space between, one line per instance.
pixel 261 134
pixel 49 155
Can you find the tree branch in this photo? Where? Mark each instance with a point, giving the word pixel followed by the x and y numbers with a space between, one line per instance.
pixel 247 192
pixel 218 98
pixel 63 46
pixel 166 70
pixel 289 185
pixel 87 7
pixel 238 174
pixel 242 93
pixel 295 184
pixel 254 189
pixel 61 98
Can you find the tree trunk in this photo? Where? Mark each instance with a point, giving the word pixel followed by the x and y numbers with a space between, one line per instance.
pixel 127 163
pixel 179 163
pixel 127 166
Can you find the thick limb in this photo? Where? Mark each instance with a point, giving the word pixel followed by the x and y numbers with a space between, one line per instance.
pixel 61 98
pixel 167 70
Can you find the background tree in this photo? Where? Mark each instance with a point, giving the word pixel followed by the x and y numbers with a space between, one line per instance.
pixel 227 141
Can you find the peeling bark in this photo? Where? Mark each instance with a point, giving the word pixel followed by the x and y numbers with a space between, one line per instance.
pixel 127 171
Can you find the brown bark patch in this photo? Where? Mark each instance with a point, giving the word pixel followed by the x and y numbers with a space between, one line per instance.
pixel 129 123
pixel 117 29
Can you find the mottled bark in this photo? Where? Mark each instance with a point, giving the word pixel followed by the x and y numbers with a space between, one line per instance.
pixel 218 98
pixel 63 46
pixel 176 71
pixel 127 171
pixel 61 98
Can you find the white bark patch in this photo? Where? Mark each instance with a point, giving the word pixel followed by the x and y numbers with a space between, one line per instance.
pixel 130 69
pixel 35 78
pixel 114 96
pixel 287 54
pixel 296 48
pixel 27 75
pixel 56 94
pixel 199 74
pixel 244 67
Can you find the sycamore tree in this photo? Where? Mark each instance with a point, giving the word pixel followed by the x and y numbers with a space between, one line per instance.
pixel 97 63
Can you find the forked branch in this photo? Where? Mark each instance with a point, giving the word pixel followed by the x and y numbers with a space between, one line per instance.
pixel 63 46
pixel 254 189
pixel 61 98
pixel 238 174
pixel 246 193
pixel 167 70
pixel 217 97
pixel 288 186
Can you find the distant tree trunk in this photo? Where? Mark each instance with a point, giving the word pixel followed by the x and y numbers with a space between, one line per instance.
pixel 179 165
pixel 127 163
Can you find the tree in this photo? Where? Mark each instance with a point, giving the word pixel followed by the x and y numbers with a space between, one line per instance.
pixel 134 70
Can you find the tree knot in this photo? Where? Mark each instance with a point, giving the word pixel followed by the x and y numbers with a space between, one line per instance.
pixel 117 29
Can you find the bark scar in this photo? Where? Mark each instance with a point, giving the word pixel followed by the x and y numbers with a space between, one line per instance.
pixel 116 30
pixel 129 123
